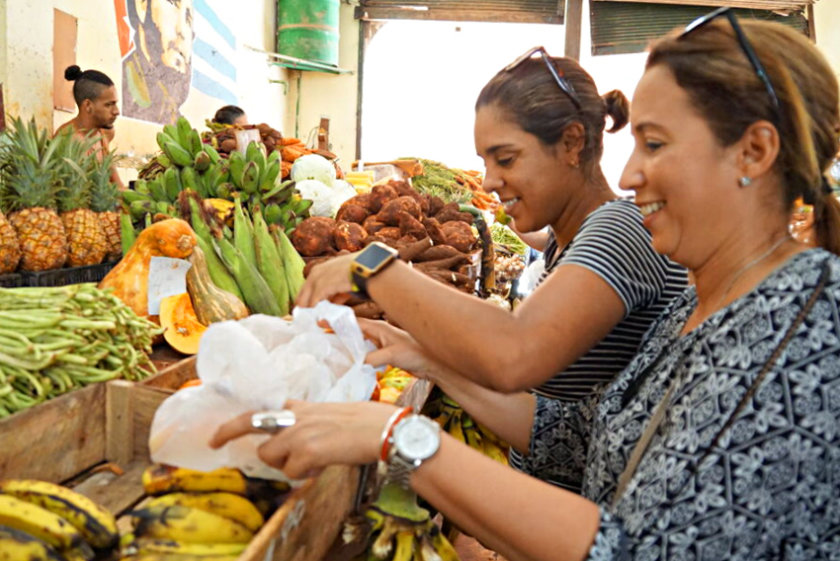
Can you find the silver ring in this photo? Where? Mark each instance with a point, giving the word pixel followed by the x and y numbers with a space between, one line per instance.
pixel 272 421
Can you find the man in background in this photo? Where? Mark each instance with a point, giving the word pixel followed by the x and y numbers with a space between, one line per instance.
pixel 231 115
pixel 157 73
pixel 96 98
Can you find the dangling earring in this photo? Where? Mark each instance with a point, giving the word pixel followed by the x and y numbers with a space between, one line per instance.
pixel 745 181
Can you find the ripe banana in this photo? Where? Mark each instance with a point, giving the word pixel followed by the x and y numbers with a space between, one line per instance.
pixel 185 524
pixel 97 526
pixel 178 557
pixel 144 546
pixel 159 479
pixel 458 423
pixel 38 522
pixel 16 545
pixel 228 505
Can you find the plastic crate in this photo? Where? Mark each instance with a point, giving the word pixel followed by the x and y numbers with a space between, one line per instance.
pixel 68 275
pixel 11 280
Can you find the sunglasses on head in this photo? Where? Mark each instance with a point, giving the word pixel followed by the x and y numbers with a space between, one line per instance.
pixel 556 73
pixel 745 46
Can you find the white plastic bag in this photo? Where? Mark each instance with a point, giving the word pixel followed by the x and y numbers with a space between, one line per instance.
pixel 256 364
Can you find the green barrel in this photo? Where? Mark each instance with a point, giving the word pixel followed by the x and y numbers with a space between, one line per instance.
pixel 308 29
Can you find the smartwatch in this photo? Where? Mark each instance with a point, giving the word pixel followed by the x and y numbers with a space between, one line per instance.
pixel 415 439
pixel 370 261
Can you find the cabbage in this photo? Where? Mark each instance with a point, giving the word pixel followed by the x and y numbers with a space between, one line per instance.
pixel 319 194
pixel 313 166
pixel 341 191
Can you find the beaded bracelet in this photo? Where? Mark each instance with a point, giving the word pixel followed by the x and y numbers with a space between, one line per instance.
pixel 398 416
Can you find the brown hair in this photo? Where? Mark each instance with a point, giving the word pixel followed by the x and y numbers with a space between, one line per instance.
pixel 728 94
pixel 534 101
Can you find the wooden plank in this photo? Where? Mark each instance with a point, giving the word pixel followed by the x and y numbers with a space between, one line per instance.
pixel 117 493
pixel 57 439
pixel 574 21
pixel 145 401
pixel 173 376
pixel 119 420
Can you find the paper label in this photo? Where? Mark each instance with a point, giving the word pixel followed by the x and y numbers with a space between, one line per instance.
pixel 167 277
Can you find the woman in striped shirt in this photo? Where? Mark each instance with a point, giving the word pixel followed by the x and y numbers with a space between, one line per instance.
pixel 539 128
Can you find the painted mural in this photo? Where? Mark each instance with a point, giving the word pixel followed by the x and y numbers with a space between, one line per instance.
pixel 168 48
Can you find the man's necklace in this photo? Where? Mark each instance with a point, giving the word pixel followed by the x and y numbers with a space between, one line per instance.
pixel 747 267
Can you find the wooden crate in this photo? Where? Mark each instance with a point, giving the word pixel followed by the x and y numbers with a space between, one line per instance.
pixel 108 425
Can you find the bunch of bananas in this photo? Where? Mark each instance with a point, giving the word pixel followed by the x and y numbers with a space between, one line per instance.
pixel 203 515
pixel 41 521
pixel 397 529
pixel 390 384
pixel 460 424
pixel 186 163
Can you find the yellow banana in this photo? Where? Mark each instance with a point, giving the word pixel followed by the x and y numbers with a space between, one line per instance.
pixel 492 450
pixel 159 479
pixel 455 428
pixel 404 550
pixel 384 542
pixel 178 557
pixel 228 505
pixel 38 522
pixel 82 552
pixel 426 548
pixel 143 546
pixel 16 545
pixel 184 524
pixel 442 546
pixel 97 526
pixel 473 438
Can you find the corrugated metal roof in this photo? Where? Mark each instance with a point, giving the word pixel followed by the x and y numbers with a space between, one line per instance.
pixel 618 26
pixel 542 11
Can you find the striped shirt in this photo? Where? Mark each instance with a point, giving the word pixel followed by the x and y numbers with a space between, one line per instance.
pixel 612 243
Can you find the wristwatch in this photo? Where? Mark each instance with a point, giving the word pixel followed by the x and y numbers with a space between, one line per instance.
pixel 415 439
pixel 370 261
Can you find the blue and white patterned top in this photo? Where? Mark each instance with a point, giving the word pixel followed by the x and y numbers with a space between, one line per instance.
pixel 771 489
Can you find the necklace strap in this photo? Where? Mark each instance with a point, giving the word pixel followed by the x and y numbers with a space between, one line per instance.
pixel 659 413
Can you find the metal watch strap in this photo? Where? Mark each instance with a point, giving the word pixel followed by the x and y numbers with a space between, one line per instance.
pixel 400 470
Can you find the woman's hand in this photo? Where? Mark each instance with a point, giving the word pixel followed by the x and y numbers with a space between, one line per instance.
pixel 327 279
pixel 397 348
pixel 323 434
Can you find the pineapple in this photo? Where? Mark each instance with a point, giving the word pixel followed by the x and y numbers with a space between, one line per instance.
pixel 28 165
pixel 86 243
pixel 9 247
pixel 104 201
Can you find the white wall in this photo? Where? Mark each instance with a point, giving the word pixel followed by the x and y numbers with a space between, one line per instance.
pixel 827 19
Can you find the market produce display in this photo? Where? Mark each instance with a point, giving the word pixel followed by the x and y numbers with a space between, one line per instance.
pixel 454 420
pixel 41 521
pixel 53 340
pixel 453 185
pixel 390 384
pixel 188 164
pixel 56 201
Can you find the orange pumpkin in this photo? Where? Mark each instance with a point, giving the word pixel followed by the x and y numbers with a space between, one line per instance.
pixel 130 277
pixel 183 331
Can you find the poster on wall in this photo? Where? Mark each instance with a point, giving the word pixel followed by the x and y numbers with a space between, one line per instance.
pixel 170 48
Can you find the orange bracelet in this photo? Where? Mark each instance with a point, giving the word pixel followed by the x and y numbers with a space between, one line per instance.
pixel 398 416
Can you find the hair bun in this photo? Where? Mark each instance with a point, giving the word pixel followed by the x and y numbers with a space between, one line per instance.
pixel 72 73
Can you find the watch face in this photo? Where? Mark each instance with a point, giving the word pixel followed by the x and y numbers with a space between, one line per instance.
pixel 417 438
pixel 372 256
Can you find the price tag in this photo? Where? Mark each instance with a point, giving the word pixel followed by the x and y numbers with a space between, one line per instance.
pixel 167 277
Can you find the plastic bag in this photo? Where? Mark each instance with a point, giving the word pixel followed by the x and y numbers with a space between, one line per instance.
pixel 256 364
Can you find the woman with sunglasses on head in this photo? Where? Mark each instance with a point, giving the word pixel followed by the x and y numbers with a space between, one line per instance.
pixel 539 129
pixel 721 439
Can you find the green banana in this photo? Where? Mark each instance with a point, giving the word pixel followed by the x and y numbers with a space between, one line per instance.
pixel 280 192
pixel 293 263
pixel 212 152
pixel 139 208
pixel 16 545
pixel 243 232
pixel 163 138
pixel 128 196
pixel 219 274
pixel 273 213
pixel 256 293
pixel 225 190
pixel 188 179
pixel 157 189
pixel 127 233
pixel 301 206
pixel 272 172
pixel 236 164
pixel 141 186
pixel 97 526
pixel 172 132
pixel 269 262
pixel 250 178
pixel 202 161
pixel 184 132
pixel 163 160
pixel 195 142
pixel 177 153
pixel 172 184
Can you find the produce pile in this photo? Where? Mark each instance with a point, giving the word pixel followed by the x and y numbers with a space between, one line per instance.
pixel 57 202
pixel 42 521
pixel 453 185
pixel 510 257
pixel 390 384
pixel 437 237
pixel 53 340
pixel 188 164
pixel 460 424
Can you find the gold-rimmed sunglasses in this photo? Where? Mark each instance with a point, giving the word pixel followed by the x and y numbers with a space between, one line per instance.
pixel 556 73
pixel 745 46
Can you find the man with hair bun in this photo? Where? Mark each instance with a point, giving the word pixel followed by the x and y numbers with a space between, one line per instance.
pixel 96 98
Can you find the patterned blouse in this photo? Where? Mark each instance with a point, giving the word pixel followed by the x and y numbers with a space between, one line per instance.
pixel 770 489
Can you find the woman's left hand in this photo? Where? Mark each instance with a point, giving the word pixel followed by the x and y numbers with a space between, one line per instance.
pixel 323 434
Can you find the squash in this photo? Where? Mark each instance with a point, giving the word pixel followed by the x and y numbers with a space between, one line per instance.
pixel 129 279
pixel 183 331
pixel 210 302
